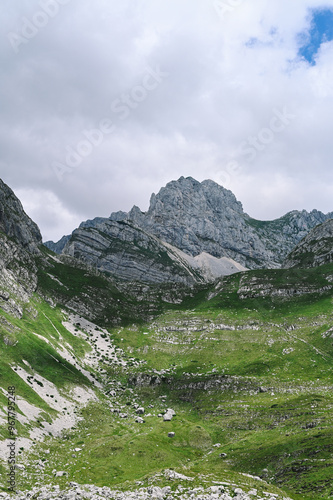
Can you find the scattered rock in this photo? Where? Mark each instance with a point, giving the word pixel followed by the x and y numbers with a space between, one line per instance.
pixel 169 414
pixel 310 425
pixel 86 492
pixel 61 473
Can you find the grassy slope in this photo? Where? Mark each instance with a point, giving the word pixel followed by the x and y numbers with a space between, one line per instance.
pixel 282 434
pixel 287 430
pixel 24 349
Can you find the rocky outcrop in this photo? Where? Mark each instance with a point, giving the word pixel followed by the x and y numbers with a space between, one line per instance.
pixel 18 276
pixel 127 252
pixel 275 285
pixel 315 249
pixel 256 288
pixel 20 240
pixel 15 223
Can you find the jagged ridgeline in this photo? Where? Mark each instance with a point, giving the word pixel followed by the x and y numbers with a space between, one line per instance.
pixel 167 354
pixel 191 232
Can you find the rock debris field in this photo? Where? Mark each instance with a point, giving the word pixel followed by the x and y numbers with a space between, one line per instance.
pixel 75 491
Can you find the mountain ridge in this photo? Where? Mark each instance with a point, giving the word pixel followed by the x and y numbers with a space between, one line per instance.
pixel 197 218
pixel 315 249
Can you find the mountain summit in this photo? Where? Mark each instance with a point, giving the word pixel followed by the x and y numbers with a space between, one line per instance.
pixel 195 217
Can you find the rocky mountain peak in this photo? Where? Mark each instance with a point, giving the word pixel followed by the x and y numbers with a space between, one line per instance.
pixel 15 223
pixel 198 217
pixel 195 218
pixel 190 197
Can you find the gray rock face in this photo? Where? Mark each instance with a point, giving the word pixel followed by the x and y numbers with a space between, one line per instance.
pixel 18 276
pixel 205 217
pixel 129 253
pixel 200 217
pixel 282 235
pixel 190 215
pixel 315 249
pixel 15 223
pixel 195 218
pixel 19 239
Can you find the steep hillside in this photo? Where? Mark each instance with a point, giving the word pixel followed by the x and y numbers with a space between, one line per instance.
pixel 20 244
pixel 315 249
pixel 15 223
pixel 18 276
pixel 71 284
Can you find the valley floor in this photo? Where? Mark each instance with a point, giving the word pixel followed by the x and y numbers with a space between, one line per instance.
pixel 248 390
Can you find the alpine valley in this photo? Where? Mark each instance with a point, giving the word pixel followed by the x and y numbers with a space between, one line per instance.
pixel 180 353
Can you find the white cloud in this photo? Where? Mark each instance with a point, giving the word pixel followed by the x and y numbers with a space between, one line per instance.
pixel 52 215
pixel 227 75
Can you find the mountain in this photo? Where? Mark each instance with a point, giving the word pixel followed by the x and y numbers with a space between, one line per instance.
pixel 178 389
pixel 196 219
pixel 205 217
pixel 315 249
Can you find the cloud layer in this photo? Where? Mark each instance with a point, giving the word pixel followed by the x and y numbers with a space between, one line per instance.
pixel 104 102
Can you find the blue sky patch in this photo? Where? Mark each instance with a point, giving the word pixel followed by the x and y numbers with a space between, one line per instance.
pixel 320 31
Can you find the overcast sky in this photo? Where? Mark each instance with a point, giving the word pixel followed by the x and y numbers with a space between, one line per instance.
pixel 103 102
